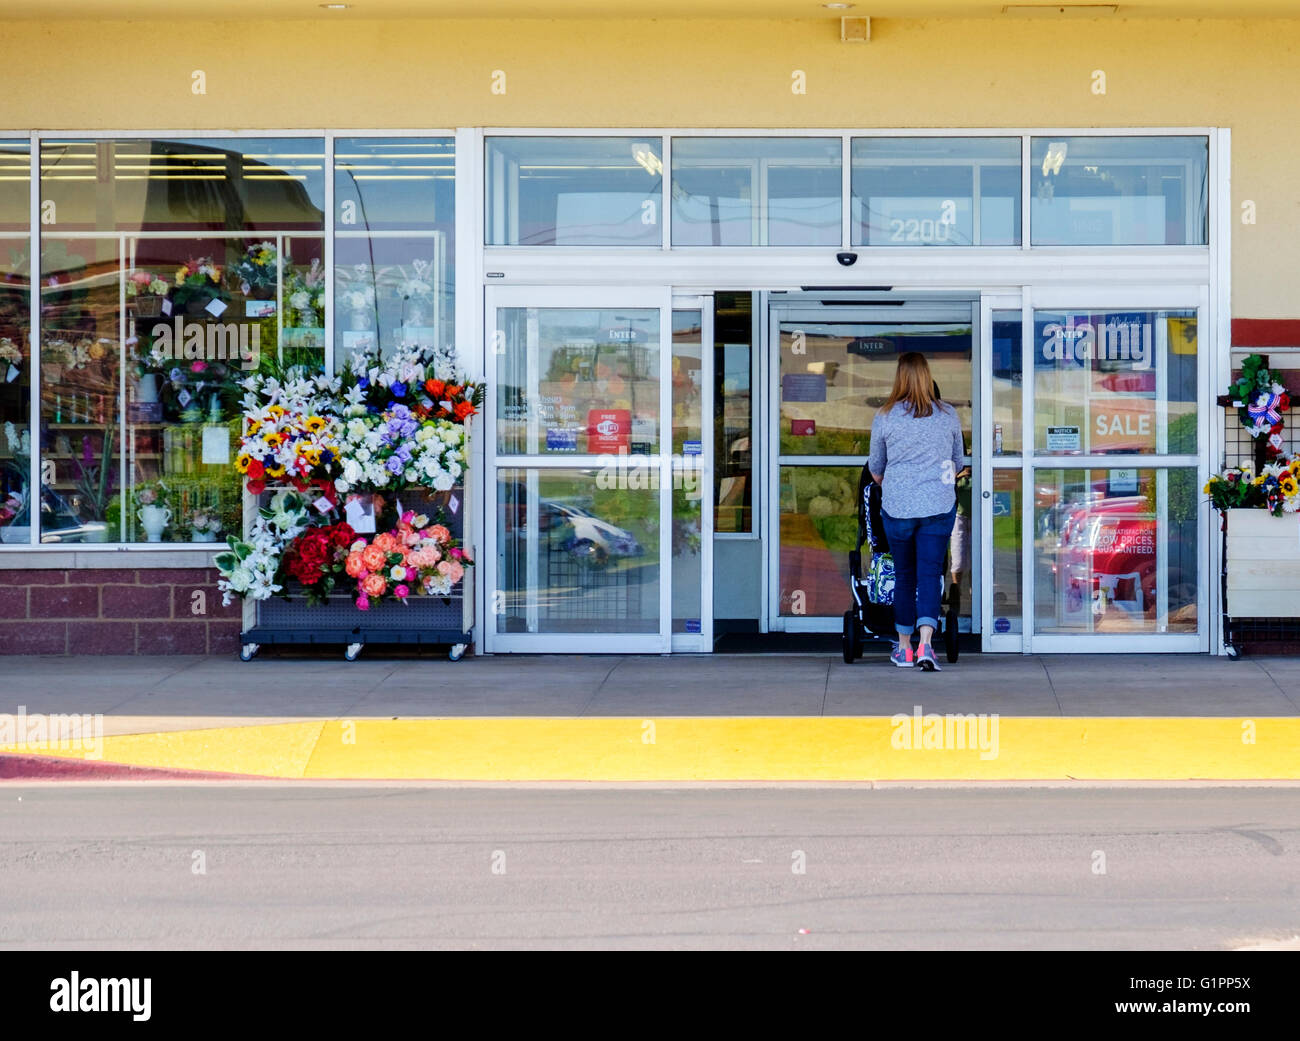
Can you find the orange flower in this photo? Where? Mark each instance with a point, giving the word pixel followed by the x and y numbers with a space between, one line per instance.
pixel 374 585
pixel 384 541
pixel 373 558
pixel 355 565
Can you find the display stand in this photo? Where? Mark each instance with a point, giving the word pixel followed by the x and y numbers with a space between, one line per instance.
pixel 421 621
pixel 1260 580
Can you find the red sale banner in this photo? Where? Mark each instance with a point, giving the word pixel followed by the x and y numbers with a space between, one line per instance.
pixel 608 429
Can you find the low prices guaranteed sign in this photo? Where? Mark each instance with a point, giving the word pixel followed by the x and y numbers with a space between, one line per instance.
pixel 608 430
pixel 1122 424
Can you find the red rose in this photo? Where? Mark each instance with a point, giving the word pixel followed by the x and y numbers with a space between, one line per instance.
pixel 256 470
pixel 342 535
pixel 256 487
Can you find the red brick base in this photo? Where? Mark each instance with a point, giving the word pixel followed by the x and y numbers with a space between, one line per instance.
pixel 115 611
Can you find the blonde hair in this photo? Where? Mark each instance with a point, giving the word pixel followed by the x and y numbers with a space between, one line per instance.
pixel 914 385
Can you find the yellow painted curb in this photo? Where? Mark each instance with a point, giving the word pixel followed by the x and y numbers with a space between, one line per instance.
pixel 279 750
pixel 912 747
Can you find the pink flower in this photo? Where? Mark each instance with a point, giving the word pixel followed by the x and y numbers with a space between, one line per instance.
pixel 456 572
pixel 198 366
pixel 363 602
pixel 445 567
pixel 401 592
pixel 408 516
pixel 440 533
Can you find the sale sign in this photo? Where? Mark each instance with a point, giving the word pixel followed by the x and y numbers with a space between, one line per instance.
pixel 608 429
pixel 1122 424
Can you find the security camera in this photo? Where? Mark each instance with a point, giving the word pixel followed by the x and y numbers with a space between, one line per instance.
pixel 847 259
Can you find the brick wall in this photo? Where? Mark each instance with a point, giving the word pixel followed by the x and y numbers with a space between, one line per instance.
pixel 120 611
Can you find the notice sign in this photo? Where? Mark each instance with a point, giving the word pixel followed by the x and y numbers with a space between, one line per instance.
pixel 1123 424
pixel 803 427
pixel 561 440
pixel 608 429
pixel 1063 439
pixel 803 386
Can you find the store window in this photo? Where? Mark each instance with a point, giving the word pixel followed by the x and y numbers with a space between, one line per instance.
pixel 574 191
pixel 1115 382
pixel 15 342
pixel 170 269
pixel 733 413
pixel 936 191
pixel 1119 191
pixel 756 191
pixel 394 243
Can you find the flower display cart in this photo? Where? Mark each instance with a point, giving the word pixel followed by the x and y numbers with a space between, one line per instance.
pixel 420 621
pixel 1261 574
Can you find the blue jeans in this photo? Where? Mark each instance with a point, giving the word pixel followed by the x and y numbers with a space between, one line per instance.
pixel 918 545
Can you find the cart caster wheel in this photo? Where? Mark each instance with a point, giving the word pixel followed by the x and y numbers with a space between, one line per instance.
pixel 353 651
pixel 1233 653
pixel 249 651
pixel 457 651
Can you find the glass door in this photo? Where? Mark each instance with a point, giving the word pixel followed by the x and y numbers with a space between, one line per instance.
pixel 580 471
pixel 832 366
pixel 1093 513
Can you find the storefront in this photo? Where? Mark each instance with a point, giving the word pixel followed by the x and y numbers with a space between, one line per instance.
pixel 1083 258
pixel 685 294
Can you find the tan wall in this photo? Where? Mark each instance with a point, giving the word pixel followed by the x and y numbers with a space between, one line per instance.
pixel 990 72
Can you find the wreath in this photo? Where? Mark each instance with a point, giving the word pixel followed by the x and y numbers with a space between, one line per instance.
pixel 1260 398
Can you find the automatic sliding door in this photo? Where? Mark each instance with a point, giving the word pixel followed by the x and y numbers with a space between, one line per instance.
pixel 579 470
pixel 833 368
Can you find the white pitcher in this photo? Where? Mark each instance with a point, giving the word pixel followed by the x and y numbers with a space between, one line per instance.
pixel 155 520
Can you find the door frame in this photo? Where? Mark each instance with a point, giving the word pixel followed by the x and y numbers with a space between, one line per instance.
pixel 1134 298
pixel 574 298
pixel 955 306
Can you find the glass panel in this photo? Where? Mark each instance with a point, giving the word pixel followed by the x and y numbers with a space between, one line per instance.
pixel 15 340
pixel 756 191
pixel 1116 550
pixel 1008 565
pixel 936 191
pixel 1114 382
pixel 1119 191
pixel 834 375
pixel 819 527
pixel 576 553
pixel 1005 435
pixel 733 412
pixel 176 320
pixel 578 380
pixel 574 191
pixel 688 455
pixel 394 246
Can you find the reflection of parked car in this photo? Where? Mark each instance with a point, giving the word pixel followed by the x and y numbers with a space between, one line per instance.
pixel 590 541
pixel 59 521
pixel 1108 554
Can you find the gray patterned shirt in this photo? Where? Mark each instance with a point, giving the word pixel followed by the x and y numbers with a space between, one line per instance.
pixel 914 455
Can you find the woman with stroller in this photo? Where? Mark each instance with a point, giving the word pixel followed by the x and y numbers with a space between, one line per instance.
pixel 917 455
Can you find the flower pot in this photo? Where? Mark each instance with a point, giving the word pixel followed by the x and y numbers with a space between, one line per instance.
pixel 154 520
pixel 202 536
pixel 148 306
pixel 1263 564
pixel 146 389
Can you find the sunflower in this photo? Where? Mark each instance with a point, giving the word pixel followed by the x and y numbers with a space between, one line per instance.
pixel 254 425
pixel 1289 486
pixel 312 455
pixel 242 461
pixel 275 471
pixel 276 410
pixel 315 424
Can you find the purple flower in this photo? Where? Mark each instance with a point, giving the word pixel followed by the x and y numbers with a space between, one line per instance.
pixel 394 465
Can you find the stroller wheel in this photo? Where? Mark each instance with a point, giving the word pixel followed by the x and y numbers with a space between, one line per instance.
pixel 851 642
pixel 950 634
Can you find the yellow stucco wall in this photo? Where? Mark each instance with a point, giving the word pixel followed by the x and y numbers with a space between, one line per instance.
pixel 989 72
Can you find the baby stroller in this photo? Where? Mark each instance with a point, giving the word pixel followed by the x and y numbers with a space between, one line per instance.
pixel 872 584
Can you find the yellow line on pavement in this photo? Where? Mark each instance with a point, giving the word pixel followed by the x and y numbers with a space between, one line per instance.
pixel 911 747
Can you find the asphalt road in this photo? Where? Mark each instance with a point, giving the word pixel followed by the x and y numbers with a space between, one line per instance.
pixel 118 867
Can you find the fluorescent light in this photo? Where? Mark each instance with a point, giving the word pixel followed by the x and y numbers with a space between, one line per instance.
pixel 1055 157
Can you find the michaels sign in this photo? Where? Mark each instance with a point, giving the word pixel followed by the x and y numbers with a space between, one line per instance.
pixel 1122 338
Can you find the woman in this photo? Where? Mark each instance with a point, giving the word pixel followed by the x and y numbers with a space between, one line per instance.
pixel 916 456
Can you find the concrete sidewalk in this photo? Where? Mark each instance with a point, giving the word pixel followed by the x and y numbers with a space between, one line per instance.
pixel 139 694
pixel 587 717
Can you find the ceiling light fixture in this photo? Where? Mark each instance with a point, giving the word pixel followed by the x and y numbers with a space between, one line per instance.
pixel 838 7
pixel 335 7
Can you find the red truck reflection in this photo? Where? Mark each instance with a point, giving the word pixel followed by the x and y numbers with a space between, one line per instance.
pixel 1107 553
